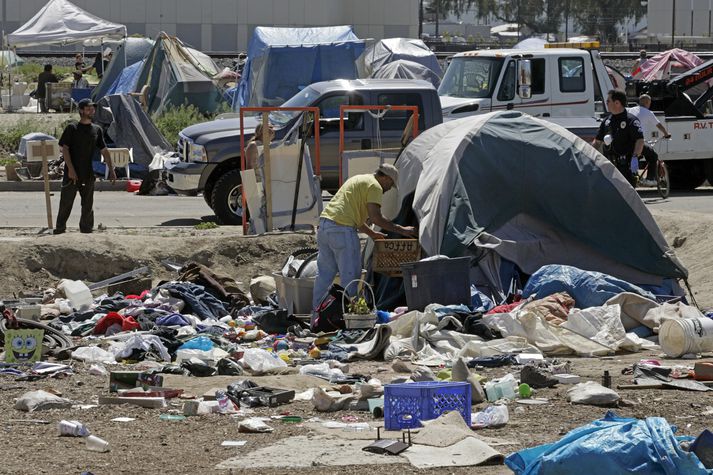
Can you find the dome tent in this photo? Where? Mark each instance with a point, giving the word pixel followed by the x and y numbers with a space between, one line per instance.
pixel 514 187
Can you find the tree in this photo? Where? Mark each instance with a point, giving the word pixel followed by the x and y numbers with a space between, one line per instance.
pixel 592 17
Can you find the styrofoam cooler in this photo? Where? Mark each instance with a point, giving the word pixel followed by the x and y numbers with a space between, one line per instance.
pixel 296 294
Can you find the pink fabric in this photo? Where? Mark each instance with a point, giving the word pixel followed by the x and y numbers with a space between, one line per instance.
pixel 655 67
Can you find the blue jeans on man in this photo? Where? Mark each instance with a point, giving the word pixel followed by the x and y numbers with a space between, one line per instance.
pixel 339 252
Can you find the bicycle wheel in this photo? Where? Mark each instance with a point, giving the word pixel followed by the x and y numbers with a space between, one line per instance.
pixel 663 184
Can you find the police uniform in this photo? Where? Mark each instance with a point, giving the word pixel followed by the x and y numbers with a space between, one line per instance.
pixel 625 129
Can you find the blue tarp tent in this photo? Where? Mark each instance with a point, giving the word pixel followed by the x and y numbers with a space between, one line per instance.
pixel 282 61
pixel 129 52
pixel 127 80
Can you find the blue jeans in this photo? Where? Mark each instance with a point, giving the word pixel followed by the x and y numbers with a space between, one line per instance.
pixel 339 251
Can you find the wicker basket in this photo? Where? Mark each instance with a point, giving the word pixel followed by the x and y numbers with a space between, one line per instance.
pixel 353 321
pixel 389 254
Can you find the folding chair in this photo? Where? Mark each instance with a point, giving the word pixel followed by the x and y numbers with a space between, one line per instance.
pixel 78 94
pixel 120 157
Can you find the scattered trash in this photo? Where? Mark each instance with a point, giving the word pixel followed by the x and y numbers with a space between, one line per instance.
pixel 233 443
pixel 123 419
pixel 491 416
pixel 95 444
pixel 72 428
pixel 592 394
pixel 172 417
pixel 41 401
pixel 254 424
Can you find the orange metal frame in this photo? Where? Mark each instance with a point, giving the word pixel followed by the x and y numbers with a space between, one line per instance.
pixel 314 110
pixel 343 108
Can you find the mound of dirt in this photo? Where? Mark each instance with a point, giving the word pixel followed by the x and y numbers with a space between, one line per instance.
pixel 34 263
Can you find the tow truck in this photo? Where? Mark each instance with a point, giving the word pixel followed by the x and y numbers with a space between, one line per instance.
pixel 566 83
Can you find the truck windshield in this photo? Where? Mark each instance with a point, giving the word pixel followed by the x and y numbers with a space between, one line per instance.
pixel 304 98
pixel 471 77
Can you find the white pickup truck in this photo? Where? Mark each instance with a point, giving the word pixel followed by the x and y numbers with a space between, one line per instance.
pixel 567 86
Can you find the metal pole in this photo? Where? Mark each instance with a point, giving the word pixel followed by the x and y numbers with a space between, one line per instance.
pixel 566 20
pixel 420 19
pixel 673 26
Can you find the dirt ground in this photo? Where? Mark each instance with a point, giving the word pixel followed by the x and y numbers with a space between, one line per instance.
pixel 30 262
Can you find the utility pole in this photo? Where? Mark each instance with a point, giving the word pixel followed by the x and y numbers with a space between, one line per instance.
pixel 420 19
pixel 438 15
pixel 566 20
pixel 673 26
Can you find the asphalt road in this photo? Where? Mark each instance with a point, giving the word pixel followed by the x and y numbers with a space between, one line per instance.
pixel 121 209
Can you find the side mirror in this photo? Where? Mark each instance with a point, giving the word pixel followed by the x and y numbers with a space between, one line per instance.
pixel 524 78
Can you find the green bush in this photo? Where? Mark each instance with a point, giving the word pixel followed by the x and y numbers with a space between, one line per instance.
pixel 175 119
pixel 10 136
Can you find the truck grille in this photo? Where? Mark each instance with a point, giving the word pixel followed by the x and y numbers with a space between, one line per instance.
pixel 182 149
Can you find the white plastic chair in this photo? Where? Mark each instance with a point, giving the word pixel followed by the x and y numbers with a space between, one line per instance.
pixel 120 158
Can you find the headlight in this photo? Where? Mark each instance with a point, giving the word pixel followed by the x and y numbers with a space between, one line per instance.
pixel 197 153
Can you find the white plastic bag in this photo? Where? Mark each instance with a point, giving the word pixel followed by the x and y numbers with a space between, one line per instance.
pixel 593 394
pixel 98 370
pixel 492 416
pixel 40 401
pixel 255 425
pixel 601 324
pixel 93 354
pixel 323 371
pixel 261 361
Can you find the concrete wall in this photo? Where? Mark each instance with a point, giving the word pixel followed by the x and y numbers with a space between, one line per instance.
pixel 693 18
pixel 226 25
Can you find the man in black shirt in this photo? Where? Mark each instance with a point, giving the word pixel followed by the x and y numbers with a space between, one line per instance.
pixel 45 76
pixel 79 143
pixel 626 134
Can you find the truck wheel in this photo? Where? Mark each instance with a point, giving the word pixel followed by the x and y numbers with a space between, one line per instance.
pixel 226 199
pixel 686 175
pixel 708 168
pixel 208 194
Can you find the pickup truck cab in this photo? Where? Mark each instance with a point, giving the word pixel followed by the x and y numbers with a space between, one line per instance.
pixel 210 152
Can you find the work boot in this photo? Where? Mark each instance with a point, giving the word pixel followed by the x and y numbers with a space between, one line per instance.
pixel 537 378
pixel 58 231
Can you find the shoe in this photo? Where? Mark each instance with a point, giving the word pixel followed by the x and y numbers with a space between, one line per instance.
pixel 537 378
pixel 647 183
pixel 58 231
pixel 87 231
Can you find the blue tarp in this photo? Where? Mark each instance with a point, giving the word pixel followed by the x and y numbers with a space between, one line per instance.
pixel 611 445
pixel 130 51
pixel 587 288
pixel 126 81
pixel 282 61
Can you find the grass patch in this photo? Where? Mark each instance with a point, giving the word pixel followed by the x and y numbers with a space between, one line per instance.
pixel 206 225
pixel 28 72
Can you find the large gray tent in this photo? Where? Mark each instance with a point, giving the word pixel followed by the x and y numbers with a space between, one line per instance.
pixel 404 69
pixel 506 185
pixel 128 52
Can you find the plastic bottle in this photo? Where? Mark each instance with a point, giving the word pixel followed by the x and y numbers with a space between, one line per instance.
pixel 96 444
pixel 77 293
pixel 72 428
pixel 223 401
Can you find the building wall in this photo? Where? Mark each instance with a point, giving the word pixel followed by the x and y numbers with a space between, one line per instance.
pixel 226 25
pixel 693 18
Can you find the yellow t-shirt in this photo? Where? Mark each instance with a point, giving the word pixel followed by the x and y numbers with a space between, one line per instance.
pixel 348 206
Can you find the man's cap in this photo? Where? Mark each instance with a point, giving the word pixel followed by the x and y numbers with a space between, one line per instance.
pixel 390 171
pixel 85 103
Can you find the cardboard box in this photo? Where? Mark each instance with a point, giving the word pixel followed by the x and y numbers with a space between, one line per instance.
pixel 133 379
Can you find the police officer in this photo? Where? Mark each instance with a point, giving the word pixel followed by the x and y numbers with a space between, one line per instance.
pixel 626 133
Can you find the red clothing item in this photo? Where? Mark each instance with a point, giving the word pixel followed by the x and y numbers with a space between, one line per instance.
pixel 111 318
pixel 505 308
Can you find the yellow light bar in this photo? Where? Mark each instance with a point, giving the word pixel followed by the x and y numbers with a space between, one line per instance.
pixel 584 45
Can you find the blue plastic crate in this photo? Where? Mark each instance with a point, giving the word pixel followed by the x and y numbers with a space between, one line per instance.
pixel 407 404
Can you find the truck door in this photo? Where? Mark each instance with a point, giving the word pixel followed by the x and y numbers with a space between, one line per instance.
pixel 391 125
pixel 357 133
pixel 539 104
pixel 572 93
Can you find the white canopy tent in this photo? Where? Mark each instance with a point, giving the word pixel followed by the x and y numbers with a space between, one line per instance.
pixel 62 22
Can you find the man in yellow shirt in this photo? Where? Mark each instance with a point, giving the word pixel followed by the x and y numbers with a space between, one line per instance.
pixel 343 218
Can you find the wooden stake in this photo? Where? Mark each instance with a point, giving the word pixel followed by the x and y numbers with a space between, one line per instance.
pixel 267 178
pixel 44 151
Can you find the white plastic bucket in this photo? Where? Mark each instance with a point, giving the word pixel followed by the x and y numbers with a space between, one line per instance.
pixel 680 336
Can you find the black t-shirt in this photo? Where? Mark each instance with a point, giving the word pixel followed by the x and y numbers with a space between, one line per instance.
pixel 625 130
pixel 83 141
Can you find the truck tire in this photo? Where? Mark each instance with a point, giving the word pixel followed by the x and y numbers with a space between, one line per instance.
pixel 686 175
pixel 226 199
pixel 208 198
pixel 708 168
